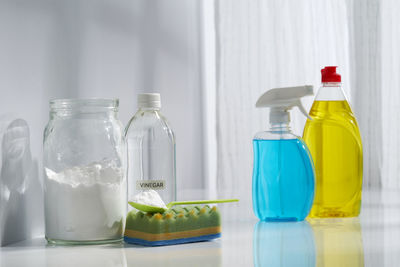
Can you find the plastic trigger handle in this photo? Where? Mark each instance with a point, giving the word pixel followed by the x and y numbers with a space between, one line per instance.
pixel 302 109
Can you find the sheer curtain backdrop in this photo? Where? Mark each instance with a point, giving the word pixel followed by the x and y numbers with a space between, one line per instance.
pixel 263 44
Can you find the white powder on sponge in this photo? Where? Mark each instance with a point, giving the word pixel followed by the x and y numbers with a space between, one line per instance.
pixel 149 197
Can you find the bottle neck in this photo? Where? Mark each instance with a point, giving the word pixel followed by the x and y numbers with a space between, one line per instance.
pixel 332 84
pixel 149 109
pixel 331 91
pixel 281 127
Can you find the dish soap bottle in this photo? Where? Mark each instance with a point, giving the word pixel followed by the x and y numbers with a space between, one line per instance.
pixel 334 141
pixel 283 174
pixel 151 150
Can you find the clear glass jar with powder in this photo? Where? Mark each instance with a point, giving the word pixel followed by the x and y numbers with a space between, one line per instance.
pixel 84 168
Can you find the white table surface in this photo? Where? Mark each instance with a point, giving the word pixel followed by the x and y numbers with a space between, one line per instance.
pixel 373 239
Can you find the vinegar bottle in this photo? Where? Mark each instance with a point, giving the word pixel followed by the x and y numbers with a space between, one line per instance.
pixel 151 150
pixel 334 141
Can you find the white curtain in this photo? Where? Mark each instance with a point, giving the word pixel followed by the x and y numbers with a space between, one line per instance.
pixel 263 44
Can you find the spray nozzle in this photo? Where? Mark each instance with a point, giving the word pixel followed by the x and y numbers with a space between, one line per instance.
pixel 281 100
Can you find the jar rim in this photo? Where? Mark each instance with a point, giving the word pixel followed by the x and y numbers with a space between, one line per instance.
pixel 69 103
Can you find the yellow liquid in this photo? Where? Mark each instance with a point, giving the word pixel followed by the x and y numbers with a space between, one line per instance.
pixel 334 141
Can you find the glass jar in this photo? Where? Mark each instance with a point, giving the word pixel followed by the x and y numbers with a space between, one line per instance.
pixel 84 167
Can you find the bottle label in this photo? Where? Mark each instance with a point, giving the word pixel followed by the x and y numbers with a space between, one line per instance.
pixel 150 184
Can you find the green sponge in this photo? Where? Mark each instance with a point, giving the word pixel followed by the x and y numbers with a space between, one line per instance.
pixel 175 226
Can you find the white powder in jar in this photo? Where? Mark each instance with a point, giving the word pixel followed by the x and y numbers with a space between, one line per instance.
pixel 149 197
pixel 86 203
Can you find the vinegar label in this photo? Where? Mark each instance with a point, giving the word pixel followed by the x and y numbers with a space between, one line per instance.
pixel 150 184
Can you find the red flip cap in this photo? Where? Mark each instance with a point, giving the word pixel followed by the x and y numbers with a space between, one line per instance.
pixel 329 75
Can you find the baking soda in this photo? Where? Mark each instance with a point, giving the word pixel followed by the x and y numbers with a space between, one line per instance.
pixel 149 197
pixel 86 203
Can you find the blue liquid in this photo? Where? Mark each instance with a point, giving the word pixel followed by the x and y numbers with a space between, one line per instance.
pixel 283 180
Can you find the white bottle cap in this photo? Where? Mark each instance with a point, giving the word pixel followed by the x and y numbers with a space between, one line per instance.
pixel 149 100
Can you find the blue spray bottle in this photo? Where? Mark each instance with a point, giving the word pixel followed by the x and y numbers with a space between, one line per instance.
pixel 283 173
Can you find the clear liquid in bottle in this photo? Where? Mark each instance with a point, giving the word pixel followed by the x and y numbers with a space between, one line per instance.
pixel 151 150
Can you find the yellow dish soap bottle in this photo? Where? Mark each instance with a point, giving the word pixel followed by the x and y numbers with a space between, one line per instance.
pixel 334 141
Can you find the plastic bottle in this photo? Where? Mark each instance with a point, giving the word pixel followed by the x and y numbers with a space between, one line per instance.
pixel 283 174
pixel 151 150
pixel 334 141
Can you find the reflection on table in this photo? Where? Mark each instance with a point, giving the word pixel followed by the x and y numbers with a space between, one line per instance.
pixel 338 242
pixel 315 242
pixel 37 252
pixel 283 244
pixel 192 254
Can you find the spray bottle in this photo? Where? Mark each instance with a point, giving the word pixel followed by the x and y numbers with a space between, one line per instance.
pixel 283 173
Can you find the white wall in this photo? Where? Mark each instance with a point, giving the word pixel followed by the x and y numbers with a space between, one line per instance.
pixel 68 49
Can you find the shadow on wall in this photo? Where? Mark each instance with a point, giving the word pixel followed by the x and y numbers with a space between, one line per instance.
pixel 21 199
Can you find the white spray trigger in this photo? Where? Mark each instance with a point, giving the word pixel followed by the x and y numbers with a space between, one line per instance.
pixel 281 100
pixel 302 109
